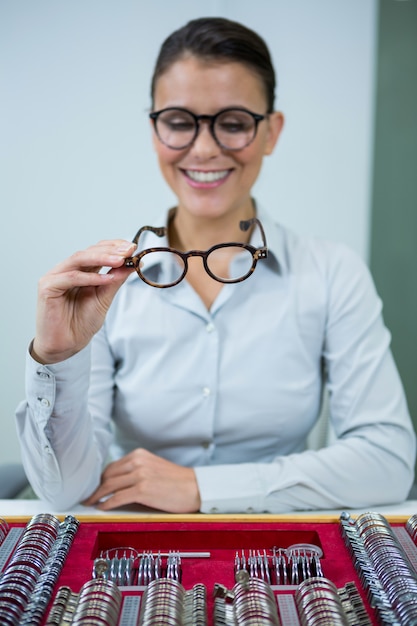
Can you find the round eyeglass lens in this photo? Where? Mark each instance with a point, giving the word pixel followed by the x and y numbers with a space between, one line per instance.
pixel 234 129
pixel 230 263
pixel 176 128
pixel 162 268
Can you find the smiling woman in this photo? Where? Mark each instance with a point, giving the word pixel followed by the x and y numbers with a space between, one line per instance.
pixel 203 393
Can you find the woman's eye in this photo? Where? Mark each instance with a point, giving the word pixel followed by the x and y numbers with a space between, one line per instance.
pixel 232 127
pixel 178 123
pixel 235 123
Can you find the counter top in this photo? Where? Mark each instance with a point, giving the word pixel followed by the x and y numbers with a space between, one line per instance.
pixel 24 509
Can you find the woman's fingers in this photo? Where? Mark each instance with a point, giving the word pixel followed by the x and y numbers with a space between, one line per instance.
pixel 92 259
pixel 145 478
pixel 74 297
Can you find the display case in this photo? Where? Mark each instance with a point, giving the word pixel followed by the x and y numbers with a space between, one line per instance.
pixel 197 570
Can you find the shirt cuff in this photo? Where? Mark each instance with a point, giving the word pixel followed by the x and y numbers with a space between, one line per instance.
pixel 231 488
pixel 42 381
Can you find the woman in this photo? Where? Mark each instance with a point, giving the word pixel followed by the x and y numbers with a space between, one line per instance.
pixel 194 387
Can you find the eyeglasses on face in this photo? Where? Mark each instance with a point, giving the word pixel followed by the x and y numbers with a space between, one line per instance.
pixel 232 129
pixel 225 262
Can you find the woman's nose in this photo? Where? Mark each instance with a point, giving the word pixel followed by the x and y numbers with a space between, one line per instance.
pixel 205 145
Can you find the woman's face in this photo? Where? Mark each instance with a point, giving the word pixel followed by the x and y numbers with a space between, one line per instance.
pixel 210 181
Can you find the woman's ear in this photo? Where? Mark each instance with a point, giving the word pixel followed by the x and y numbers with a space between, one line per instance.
pixel 275 124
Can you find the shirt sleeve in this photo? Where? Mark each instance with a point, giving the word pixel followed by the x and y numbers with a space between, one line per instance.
pixel 371 461
pixel 63 447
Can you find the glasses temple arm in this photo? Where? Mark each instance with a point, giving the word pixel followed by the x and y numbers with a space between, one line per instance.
pixel 246 224
pixel 158 230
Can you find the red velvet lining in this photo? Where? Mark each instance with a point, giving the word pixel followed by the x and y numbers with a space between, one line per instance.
pixel 221 539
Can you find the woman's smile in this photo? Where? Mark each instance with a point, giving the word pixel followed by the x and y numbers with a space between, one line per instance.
pixel 206 178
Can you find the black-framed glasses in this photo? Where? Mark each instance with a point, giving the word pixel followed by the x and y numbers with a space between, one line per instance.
pixel 232 128
pixel 225 262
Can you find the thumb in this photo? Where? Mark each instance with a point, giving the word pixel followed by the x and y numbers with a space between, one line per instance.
pixel 118 278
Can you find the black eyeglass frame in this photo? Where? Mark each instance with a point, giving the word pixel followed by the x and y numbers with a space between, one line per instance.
pixel 257 253
pixel 257 117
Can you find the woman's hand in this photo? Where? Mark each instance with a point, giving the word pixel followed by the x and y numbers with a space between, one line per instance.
pixel 73 299
pixel 143 478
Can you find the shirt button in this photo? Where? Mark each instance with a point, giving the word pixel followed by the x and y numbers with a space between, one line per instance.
pixel 249 509
pixel 43 374
pixel 206 444
pixel 206 392
pixel 210 327
pixel 44 402
pixel 214 509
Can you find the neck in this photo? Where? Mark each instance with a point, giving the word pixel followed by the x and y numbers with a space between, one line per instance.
pixel 191 232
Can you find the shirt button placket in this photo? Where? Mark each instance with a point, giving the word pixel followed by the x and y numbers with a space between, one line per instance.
pixel 208 390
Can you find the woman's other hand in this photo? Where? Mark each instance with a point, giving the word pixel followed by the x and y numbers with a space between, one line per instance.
pixel 74 297
pixel 143 478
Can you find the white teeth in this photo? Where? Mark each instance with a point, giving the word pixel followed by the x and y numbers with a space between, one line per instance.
pixel 206 177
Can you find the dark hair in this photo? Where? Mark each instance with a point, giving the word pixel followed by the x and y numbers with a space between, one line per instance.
pixel 217 38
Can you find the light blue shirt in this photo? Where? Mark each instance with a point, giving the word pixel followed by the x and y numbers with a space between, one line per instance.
pixel 235 390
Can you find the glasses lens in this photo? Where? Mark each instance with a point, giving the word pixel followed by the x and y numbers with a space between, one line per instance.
pixel 175 128
pixel 230 263
pixel 235 129
pixel 161 268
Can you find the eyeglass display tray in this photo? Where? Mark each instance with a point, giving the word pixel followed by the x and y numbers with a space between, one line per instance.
pixel 217 542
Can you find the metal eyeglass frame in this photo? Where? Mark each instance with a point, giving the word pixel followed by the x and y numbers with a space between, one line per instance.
pixel 257 253
pixel 211 119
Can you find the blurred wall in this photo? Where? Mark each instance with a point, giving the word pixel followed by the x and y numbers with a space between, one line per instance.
pixel 393 257
pixel 76 158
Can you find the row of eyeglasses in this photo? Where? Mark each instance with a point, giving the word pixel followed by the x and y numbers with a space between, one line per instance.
pixel 28 580
pixel 126 567
pixel 286 566
pixel 386 572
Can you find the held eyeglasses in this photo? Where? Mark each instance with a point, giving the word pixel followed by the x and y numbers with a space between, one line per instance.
pixel 230 262
pixel 232 128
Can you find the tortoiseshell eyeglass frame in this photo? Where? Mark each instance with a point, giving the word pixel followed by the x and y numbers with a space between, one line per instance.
pixel 257 253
